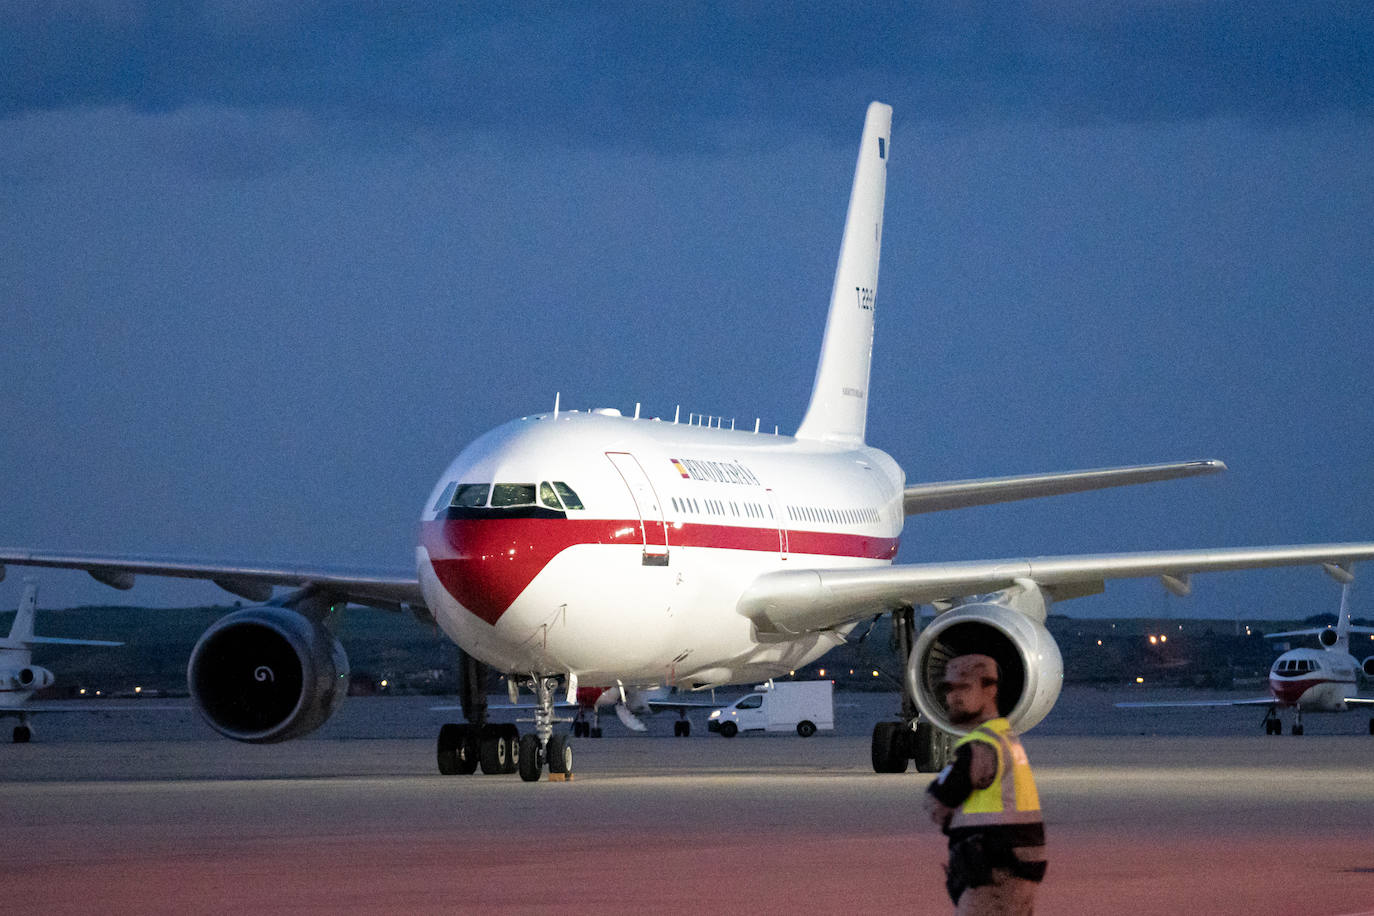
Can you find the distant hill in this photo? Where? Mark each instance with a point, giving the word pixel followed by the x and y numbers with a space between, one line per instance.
pixel 411 657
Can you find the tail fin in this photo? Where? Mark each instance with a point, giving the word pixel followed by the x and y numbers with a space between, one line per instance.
pixel 838 411
pixel 21 633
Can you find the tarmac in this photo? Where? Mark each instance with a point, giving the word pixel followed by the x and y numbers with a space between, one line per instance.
pixel 144 811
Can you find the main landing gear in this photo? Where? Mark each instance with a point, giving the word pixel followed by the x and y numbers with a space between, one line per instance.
pixel 501 749
pixel 1274 726
pixel 912 738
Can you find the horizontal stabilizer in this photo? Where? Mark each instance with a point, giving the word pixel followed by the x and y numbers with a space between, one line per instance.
pixel 60 641
pixel 961 494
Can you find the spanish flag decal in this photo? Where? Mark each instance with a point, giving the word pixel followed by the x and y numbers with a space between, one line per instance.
pixel 680 469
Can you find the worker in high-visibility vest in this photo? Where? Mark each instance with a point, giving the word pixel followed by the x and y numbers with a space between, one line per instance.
pixel 985 799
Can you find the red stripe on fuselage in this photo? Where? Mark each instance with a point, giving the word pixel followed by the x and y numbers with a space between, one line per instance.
pixel 486 563
pixel 1288 691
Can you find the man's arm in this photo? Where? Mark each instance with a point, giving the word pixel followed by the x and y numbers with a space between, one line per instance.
pixel 974 767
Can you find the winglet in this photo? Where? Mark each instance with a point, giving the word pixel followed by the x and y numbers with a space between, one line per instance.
pixel 838 411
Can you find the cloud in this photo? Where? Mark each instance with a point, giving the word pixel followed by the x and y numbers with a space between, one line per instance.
pixel 596 74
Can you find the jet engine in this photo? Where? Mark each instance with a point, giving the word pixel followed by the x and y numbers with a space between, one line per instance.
pixel 1327 637
pixel 267 674
pixel 1032 671
pixel 32 677
pixel 1368 666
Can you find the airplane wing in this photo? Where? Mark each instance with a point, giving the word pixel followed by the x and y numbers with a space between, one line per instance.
pixel 960 494
pixel 253 582
pixel 804 600
pixel 88 706
pixel 1144 704
pixel 681 705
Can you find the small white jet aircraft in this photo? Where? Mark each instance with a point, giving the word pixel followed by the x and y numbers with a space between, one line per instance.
pixel 19 677
pixel 1311 680
pixel 569 549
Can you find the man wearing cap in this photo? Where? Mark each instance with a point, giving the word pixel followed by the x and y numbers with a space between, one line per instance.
pixel 985 799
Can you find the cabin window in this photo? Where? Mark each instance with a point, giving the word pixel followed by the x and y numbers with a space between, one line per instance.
pixel 444 497
pixel 471 495
pixel 570 499
pixel 504 495
pixel 548 497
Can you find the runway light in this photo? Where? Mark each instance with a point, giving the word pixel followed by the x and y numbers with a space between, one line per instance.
pixel 875 673
pixel 1099 642
pixel 1163 638
pixel 1140 680
pixel 383 684
pixel 822 672
pixel 83 691
pixel 1154 640
pixel 138 690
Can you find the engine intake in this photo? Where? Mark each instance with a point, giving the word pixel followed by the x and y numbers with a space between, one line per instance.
pixel 1327 637
pixel 267 674
pixel 1368 666
pixel 1032 670
pixel 33 677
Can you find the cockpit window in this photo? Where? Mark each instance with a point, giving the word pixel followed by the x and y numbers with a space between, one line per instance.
pixel 547 496
pixel 570 499
pixel 471 495
pixel 443 501
pixel 512 494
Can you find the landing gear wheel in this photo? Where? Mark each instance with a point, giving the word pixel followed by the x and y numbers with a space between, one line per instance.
pixel 495 754
pixel 510 735
pixel 22 734
pixel 806 728
pixel 682 729
pixel 728 729
pixel 560 755
pixel 930 747
pixel 447 751
pixel 530 763
pixel 888 747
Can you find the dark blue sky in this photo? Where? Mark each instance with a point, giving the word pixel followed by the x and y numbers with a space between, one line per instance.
pixel 268 269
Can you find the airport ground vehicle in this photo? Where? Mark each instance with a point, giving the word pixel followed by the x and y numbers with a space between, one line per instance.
pixel 805 706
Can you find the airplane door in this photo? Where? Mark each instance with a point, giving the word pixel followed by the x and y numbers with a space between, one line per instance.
pixel 652 529
pixel 780 520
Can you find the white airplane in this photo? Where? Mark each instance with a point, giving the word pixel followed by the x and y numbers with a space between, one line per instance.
pixel 1305 680
pixel 19 677
pixel 569 549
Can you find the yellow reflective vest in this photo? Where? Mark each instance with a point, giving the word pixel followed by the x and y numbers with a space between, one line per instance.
pixel 1011 798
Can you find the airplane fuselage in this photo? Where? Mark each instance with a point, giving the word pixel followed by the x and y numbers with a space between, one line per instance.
pixel 1316 680
pixel 616 549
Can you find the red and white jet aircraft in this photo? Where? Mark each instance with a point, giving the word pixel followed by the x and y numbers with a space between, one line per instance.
pixel 570 549
pixel 1310 680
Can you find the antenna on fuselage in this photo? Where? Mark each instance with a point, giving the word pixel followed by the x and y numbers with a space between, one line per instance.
pixel 676 412
pixel 636 410
pixel 556 396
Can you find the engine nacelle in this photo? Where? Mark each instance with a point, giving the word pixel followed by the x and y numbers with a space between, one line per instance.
pixel 1327 637
pixel 1368 666
pixel 33 677
pixel 1032 670
pixel 267 674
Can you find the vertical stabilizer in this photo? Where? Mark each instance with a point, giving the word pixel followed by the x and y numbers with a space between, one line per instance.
pixel 21 633
pixel 1343 620
pixel 839 400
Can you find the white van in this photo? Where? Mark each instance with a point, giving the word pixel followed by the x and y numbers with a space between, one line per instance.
pixel 801 705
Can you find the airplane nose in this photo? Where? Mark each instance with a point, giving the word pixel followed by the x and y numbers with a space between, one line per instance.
pixel 485 563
